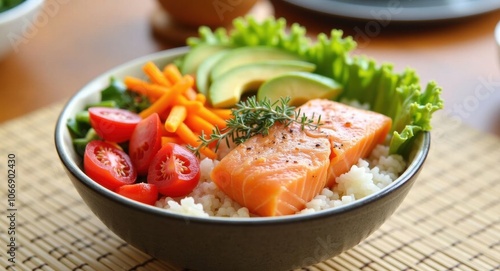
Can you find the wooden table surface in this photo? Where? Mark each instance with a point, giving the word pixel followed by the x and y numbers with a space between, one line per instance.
pixel 78 40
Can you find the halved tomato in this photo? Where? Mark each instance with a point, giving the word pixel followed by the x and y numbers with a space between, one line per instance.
pixel 141 192
pixel 174 170
pixel 108 165
pixel 113 124
pixel 145 142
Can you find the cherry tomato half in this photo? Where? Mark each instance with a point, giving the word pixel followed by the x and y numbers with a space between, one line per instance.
pixel 108 165
pixel 174 170
pixel 113 124
pixel 145 142
pixel 141 192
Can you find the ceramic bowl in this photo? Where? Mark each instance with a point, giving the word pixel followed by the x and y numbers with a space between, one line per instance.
pixel 15 24
pixel 280 243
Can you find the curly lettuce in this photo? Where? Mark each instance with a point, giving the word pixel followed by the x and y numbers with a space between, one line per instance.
pixel 397 95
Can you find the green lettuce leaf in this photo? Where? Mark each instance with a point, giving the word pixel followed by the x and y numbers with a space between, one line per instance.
pixel 397 95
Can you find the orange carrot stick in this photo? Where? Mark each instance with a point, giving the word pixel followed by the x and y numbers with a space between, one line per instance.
pixel 200 97
pixel 189 137
pixel 175 118
pixel 135 84
pixel 191 106
pixel 211 117
pixel 190 94
pixel 198 124
pixel 172 73
pixel 166 99
pixel 223 113
pixel 155 75
pixel 153 91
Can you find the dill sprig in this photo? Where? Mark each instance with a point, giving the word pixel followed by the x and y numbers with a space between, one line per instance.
pixel 252 117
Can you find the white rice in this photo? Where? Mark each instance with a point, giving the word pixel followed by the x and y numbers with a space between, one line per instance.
pixel 366 177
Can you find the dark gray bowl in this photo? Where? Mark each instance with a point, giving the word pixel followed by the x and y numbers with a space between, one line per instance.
pixel 281 243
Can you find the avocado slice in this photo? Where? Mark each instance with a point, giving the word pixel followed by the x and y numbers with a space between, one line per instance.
pixel 203 72
pixel 197 55
pixel 227 89
pixel 246 55
pixel 300 87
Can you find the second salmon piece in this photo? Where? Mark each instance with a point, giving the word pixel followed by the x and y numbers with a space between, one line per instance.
pixel 353 133
pixel 279 173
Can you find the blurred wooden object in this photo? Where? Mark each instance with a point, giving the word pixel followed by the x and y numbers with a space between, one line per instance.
pixel 173 28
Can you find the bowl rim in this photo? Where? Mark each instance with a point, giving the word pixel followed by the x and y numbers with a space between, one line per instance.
pixel 20 10
pixel 72 167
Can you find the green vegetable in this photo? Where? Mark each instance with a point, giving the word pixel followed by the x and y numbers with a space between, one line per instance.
pixel 117 92
pixel 8 4
pixel 300 87
pixel 397 95
pixel 81 142
pixel 77 127
pixel 227 89
pixel 114 95
pixel 194 58
pixel 109 103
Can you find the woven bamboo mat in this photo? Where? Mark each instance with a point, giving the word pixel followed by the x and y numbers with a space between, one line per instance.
pixel 449 221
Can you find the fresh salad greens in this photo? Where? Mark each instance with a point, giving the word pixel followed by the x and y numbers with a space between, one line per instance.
pixel 8 4
pixel 397 95
pixel 115 95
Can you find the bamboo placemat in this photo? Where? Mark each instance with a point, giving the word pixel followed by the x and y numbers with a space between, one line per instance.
pixel 449 221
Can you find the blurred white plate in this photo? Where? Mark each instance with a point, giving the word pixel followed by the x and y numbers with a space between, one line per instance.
pixel 399 10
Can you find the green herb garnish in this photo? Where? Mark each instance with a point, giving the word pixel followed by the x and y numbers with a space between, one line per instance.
pixel 253 117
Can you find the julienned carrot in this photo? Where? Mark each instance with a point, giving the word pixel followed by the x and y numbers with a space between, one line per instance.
pixel 176 116
pixel 182 108
pixel 172 73
pixel 167 99
pixel 135 84
pixel 152 91
pixel 198 124
pixel 211 117
pixel 191 106
pixel 201 98
pixel 223 113
pixel 189 137
pixel 190 94
pixel 155 75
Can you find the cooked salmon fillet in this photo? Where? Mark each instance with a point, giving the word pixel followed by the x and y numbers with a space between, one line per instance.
pixel 279 173
pixel 353 133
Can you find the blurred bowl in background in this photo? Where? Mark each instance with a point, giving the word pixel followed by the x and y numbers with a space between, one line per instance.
pixel 195 13
pixel 14 23
pixel 175 21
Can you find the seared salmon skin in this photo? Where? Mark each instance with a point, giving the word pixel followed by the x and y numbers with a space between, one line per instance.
pixel 278 174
